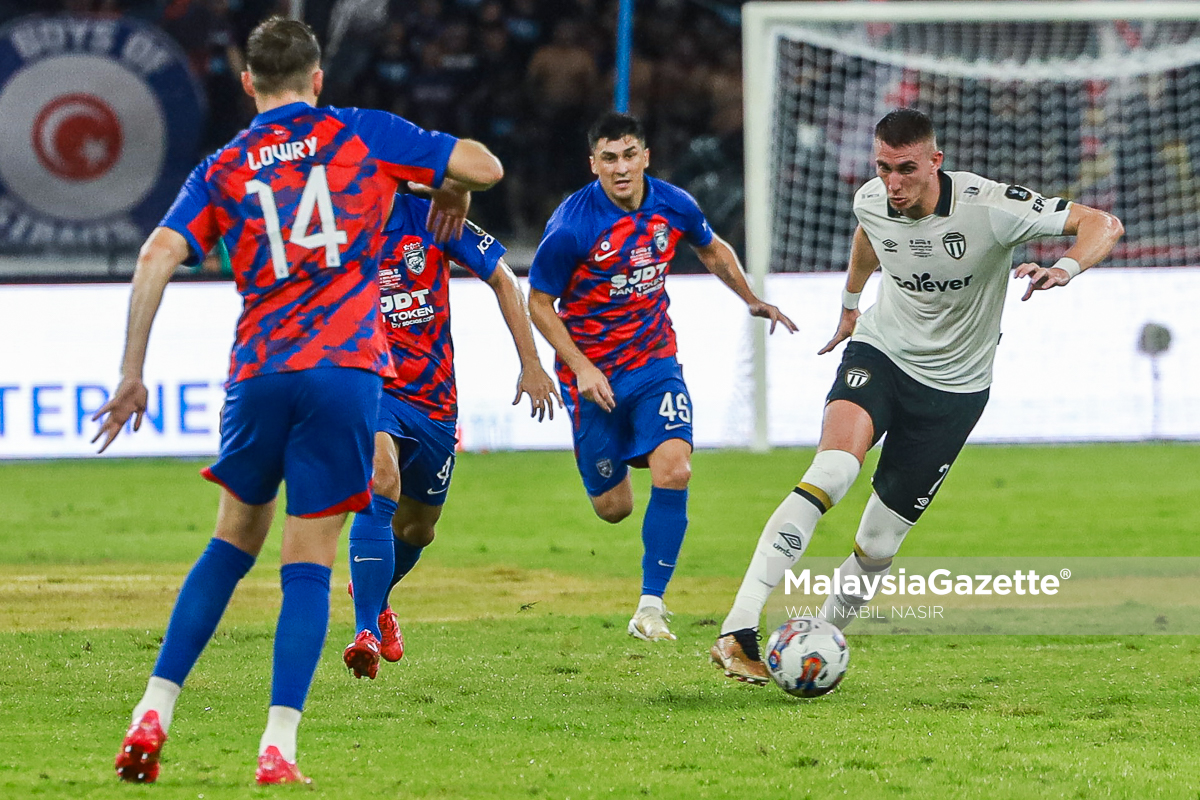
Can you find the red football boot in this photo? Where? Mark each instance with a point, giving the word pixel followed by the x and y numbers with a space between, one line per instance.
pixel 274 768
pixel 391 644
pixel 362 656
pixel 137 762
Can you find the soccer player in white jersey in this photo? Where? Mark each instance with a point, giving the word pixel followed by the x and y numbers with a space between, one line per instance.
pixel 919 362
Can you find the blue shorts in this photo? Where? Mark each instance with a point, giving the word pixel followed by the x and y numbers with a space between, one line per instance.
pixel 313 429
pixel 653 405
pixel 426 446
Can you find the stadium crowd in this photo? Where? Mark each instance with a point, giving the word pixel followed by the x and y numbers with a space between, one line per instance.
pixel 524 76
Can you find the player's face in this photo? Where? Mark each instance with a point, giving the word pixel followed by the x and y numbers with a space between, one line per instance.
pixel 620 164
pixel 909 173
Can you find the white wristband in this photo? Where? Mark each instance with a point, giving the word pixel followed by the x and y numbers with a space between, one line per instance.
pixel 1069 266
pixel 850 299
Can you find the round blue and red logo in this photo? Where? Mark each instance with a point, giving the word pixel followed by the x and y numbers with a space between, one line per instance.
pixel 99 123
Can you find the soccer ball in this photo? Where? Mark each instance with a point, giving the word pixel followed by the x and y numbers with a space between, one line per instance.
pixel 807 657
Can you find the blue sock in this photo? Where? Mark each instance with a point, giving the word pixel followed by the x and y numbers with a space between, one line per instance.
pixel 300 634
pixel 407 556
pixel 198 609
pixel 371 562
pixel 662 536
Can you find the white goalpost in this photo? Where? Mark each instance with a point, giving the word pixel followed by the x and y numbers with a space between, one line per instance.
pixel 1094 101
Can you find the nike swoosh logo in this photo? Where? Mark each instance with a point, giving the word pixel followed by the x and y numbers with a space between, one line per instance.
pixel 359 558
pixel 439 491
pixel 599 257
pixel 676 425
pixel 662 563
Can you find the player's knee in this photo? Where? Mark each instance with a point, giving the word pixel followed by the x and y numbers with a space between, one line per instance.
pixel 833 472
pixel 416 534
pixel 880 532
pixel 386 482
pixel 674 476
pixel 612 511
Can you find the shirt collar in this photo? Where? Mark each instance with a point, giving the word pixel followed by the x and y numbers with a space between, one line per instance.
pixel 945 198
pixel 282 112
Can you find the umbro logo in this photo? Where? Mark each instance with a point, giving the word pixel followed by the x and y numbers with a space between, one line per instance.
pixel 889 246
pixel 792 539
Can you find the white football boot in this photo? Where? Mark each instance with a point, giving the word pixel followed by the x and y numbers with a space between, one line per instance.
pixel 650 624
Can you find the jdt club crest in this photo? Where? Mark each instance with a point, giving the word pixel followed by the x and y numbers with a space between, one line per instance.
pixel 414 257
pixel 661 237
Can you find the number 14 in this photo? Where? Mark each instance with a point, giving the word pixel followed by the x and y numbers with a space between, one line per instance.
pixel 315 195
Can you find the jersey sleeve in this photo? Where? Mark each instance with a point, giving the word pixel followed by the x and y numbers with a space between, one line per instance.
pixel 1020 215
pixel 555 260
pixel 695 228
pixel 409 152
pixel 477 250
pixel 193 215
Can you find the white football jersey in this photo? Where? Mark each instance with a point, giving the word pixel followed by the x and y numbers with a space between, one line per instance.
pixel 945 276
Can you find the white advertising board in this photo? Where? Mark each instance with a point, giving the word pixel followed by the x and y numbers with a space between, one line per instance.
pixel 1067 368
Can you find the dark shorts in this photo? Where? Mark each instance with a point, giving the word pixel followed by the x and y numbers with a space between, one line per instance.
pixel 313 429
pixel 653 405
pixel 926 427
pixel 426 449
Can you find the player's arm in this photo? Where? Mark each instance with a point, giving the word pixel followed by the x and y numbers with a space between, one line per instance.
pixel 533 380
pixel 1095 232
pixel 472 167
pixel 720 259
pixel 158 259
pixel 588 378
pixel 863 261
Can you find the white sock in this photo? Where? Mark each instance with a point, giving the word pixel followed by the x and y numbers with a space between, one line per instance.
pixel 160 696
pixel 788 532
pixel 282 723
pixel 781 544
pixel 842 609
pixel 650 600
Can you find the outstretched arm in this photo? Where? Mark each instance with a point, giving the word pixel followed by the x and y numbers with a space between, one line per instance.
pixel 719 259
pixel 863 261
pixel 158 259
pixel 1095 233
pixel 533 380
pixel 588 378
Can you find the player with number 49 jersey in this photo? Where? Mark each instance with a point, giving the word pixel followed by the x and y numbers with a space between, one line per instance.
pixel 604 258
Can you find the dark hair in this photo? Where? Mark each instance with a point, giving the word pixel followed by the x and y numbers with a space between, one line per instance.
pixel 281 54
pixel 615 125
pixel 904 126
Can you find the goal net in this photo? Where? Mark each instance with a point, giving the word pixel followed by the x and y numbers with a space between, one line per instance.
pixel 1102 111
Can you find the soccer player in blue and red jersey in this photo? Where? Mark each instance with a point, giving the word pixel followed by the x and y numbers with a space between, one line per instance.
pixel 605 258
pixel 299 198
pixel 415 439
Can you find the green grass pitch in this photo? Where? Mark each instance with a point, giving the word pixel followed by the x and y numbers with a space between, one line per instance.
pixel 520 681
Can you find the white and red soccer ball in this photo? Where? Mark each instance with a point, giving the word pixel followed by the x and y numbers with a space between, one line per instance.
pixel 807 657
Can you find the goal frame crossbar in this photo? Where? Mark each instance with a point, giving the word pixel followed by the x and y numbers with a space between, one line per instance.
pixel 764 22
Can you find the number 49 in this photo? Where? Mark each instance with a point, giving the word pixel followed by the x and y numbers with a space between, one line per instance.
pixel 315 195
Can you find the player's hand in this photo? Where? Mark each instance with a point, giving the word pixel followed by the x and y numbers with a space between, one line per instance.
pixel 1041 278
pixel 595 387
pixel 540 388
pixel 844 330
pixel 130 400
pixel 768 311
pixel 447 210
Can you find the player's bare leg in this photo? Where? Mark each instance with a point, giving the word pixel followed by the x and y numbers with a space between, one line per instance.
pixel 616 504
pixel 372 563
pixel 238 538
pixel 847 432
pixel 663 530
pixel 309 548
